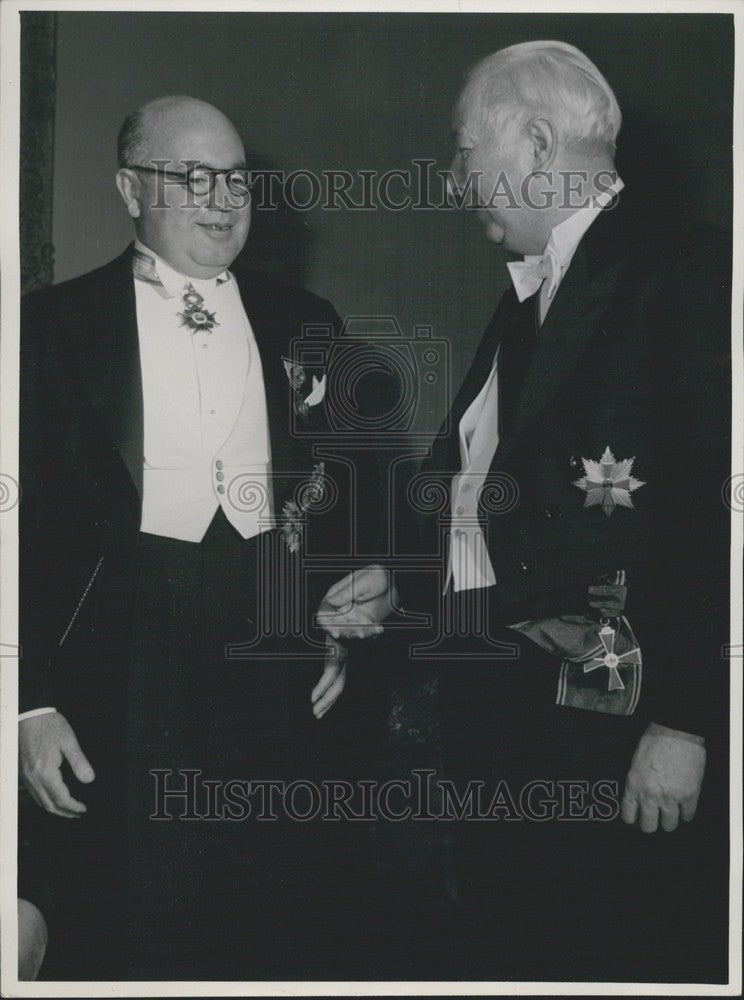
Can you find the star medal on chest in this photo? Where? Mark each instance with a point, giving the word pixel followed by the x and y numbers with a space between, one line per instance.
pixel 195 316
pixel 608 483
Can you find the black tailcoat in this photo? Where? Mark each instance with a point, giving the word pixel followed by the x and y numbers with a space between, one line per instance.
pixel 634 355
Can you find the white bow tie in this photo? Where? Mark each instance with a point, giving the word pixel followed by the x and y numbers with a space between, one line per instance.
pixel 528 275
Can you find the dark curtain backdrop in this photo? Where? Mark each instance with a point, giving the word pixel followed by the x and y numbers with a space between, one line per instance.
pixel 372 92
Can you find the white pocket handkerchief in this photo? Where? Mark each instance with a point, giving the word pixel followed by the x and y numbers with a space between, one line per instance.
pixel 317 393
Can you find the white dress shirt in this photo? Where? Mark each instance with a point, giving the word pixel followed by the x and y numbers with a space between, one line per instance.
pixel 206 428
pixel 469 565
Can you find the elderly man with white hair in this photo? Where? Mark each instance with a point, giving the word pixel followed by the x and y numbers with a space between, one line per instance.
pixel 582 462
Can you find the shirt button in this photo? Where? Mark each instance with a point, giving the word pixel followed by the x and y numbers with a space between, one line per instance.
pixel 220 489
pixel 553 512
pixel 575 462
pixel 205 346
pixel 460 510
pixel 220 476
pixel 212 412
pixel 528 566
pixel 466 488
pixel 218 463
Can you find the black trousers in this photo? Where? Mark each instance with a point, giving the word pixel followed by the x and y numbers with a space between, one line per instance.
pixel 153 884
pixel 554 885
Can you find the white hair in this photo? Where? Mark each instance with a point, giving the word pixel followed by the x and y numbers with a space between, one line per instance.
pixel 553 79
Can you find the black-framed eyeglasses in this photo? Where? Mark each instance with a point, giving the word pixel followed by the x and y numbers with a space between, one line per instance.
pixel 201 180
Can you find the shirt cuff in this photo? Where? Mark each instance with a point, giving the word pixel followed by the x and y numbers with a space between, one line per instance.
pixel 35 711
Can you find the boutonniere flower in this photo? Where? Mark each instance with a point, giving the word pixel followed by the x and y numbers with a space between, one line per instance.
pixel 295 373
pixel 292 525
pixel 313 493
pixel 297 377
pixel 608 483
pixel 294 514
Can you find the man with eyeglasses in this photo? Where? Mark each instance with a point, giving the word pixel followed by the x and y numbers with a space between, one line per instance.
pixel 158 466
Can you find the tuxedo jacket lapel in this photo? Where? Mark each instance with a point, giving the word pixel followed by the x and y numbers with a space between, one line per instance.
pixel 445 450
pixel 261 309
pixel 573 319
pixel 110 361
pixel 259 312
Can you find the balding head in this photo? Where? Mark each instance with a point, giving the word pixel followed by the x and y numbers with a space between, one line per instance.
pixel 144 130
pixel 197 234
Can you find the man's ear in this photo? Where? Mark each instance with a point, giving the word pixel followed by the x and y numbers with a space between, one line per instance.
pixel 129 188
pixel 544 142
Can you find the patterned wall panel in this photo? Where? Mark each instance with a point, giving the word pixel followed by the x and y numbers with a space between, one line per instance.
pixel 38 79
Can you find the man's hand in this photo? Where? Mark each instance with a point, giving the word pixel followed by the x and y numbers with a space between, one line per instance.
pixel 44 741
pixel 328 689
pixel 356 606
pixel 664 779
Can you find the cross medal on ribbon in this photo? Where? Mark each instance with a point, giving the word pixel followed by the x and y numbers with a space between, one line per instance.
pixel 611 660
pixel 194 315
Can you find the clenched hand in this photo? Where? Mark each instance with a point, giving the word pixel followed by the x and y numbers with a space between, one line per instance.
pixel 664 781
